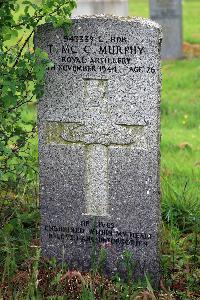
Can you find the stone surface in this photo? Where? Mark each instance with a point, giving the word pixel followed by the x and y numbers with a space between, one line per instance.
pixel 168 13
pixel 108 7
pixel 99 143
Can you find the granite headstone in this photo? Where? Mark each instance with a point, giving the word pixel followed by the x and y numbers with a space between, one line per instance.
pixel 108 7
pixel 168 13
pixel 99 143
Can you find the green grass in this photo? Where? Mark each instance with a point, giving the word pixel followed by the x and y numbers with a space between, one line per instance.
pixel 191 24
pixel 139 8
pixel 191 13
pixel 181 117
pixel 180 145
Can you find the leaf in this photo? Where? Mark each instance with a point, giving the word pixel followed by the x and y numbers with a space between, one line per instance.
pixel 35 6
pixel 57 278
pixel 39 72
pixel 8 228
pixel 9 100
pixel 26 2
pixel 149 286
pixel 8 86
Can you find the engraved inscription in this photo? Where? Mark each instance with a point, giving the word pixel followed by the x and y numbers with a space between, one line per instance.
pixel 105 234
pixel 105 54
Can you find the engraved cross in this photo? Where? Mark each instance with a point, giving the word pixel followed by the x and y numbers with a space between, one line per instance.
pixel 97 132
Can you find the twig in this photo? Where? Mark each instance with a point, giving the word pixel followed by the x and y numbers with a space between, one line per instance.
pixel 20 104
pixel 22 48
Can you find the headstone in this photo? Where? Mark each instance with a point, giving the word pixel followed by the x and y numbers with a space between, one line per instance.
pixel 108 7
pixel 168 13
pixel 99 143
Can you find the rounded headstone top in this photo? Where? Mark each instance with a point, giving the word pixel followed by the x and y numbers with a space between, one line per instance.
pixel 103 17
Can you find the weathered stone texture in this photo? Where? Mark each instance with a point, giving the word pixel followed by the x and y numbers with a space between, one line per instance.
pixel 99 143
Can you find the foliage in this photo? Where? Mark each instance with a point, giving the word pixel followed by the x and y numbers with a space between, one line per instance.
pixel 180 206
pixel 23 72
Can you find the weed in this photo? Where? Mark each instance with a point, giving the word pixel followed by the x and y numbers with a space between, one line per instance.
pixel 129 265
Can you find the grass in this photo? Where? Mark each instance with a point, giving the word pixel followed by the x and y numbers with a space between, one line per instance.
pixel 180 145
pixel 181 117
pixel 191 12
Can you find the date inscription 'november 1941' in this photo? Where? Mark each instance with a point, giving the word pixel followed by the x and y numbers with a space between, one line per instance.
pixel 85 53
